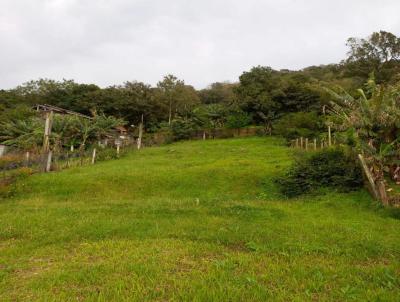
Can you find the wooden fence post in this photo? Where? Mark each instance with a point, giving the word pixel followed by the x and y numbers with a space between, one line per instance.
pixel 297 142
pixel 27 157
pixel 2 150
pixel 204 135
pixel 329 136
pixel 139 140
pixel 117 149
pixel 48 162
pixel 47 131
pixel 301 142
pixel 94 156
pixel 306 146
pixel 68 163
pixel 315 144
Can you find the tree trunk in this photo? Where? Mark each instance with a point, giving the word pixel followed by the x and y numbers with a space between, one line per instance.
pixel 370 178
pixel 382 192
pixel 170 112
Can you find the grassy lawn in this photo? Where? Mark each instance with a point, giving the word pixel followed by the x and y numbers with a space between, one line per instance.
pixel 193 221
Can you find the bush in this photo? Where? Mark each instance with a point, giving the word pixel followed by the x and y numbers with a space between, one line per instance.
pixel 106 154
pixel 238 119
pixel 262 131
pixel 182 129
pixel 294 125
pixel 331 168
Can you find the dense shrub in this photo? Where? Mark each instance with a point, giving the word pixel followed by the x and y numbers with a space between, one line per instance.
pixel 182 129
pixel 238 119
pixel 107 154
pixel 333 168
pixel 294 125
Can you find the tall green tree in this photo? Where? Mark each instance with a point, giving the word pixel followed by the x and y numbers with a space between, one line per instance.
pixel 128 101
pixel 379 53
pixel 255 94
pixel 218 93
pixel 179 98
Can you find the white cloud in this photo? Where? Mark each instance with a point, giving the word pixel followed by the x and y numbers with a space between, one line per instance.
pixel 108 42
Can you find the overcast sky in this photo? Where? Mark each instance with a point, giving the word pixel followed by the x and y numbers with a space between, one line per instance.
pixel 108 42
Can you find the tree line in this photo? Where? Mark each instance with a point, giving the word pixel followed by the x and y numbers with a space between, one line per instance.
pixel 281 100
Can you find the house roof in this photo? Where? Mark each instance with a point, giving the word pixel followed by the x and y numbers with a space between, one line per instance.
pixel 47 108
pixel 121 128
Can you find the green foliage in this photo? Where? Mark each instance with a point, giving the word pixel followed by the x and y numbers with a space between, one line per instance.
pixel 22 133
pixel 17 112
pixel 332 168
pixel 182 129
pixel 177 97
pixel 255 93
pixel 371 121
pixel 210 116
pixel 128 102
pixel 267 94
pixel 299 124
pixel 107 154
pixel 9 183
pixel 379 53
pixel 264 94
pixel 67 130
pixel 218 93
pixel 238 119
pixel 66 93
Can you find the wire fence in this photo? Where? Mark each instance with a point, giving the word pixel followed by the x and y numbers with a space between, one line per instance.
pixel 20 163
pixel 313 144
pixel 17 163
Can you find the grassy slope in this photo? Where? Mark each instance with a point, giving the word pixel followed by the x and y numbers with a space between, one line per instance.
pixel 194 221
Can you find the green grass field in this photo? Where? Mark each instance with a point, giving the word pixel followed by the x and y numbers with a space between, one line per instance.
pixel 193 221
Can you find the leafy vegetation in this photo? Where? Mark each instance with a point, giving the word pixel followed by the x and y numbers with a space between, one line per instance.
pixel 67 130
pixel 206 220
pixel 371 122
pixel 300 124
pixel 329 168
pixel 260 97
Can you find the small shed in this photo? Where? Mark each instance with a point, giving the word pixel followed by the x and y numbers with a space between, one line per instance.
pixel 122 130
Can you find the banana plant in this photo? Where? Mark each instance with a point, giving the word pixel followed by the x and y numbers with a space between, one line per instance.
pixel 25 134
pixel 373 120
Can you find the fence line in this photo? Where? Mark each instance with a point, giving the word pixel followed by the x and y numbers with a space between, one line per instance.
pixel 308 145
pixel 16 163
pixel 22 161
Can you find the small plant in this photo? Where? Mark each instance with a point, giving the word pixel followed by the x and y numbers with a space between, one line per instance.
pixel 107 154
pixel 8 184
pixel 333 168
